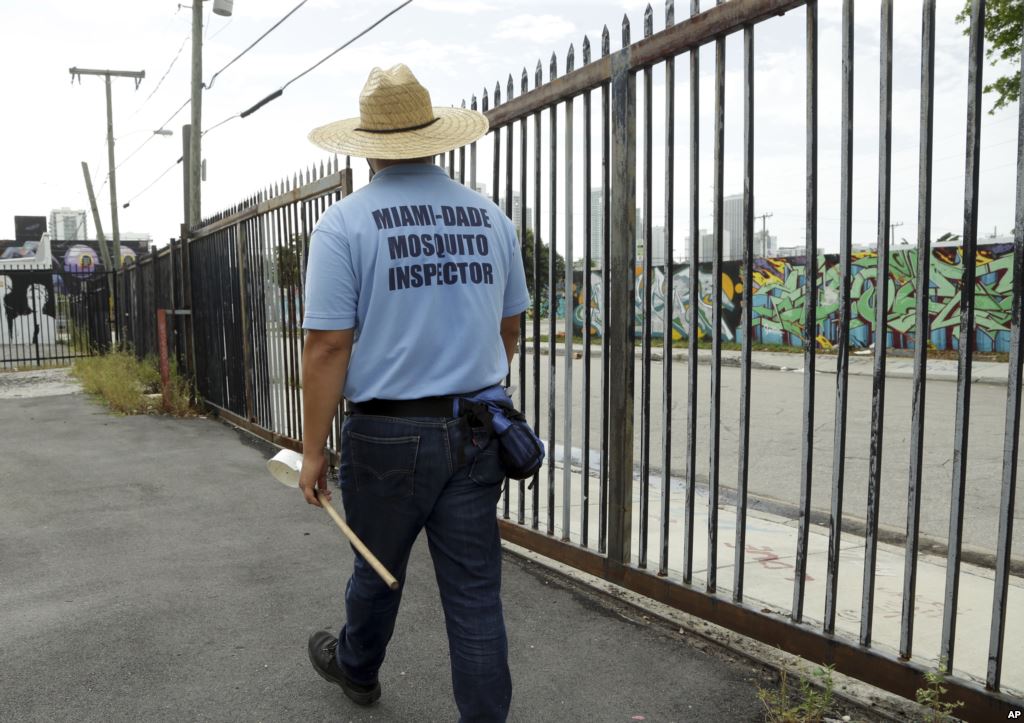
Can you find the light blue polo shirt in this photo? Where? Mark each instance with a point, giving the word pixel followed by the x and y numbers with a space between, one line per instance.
pixel 423 269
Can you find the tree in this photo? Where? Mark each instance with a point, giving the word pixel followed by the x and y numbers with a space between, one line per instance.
pixel 1004 29
pixel 544 261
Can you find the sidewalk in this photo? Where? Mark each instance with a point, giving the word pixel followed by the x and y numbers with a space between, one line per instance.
pixel 769 572
pixel 861 362
pixel 150 569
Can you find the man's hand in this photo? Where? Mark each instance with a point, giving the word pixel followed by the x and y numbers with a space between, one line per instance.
pixel 314 477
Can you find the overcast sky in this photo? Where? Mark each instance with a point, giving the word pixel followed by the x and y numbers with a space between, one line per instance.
pixel 456 48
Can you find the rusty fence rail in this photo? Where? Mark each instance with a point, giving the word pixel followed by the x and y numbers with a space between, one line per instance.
pixel 628 513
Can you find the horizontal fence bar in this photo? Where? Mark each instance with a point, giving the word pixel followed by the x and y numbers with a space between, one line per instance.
pixel 720 20
pixel 340 180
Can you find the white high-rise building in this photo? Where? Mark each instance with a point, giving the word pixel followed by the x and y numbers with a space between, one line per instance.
pixel 597 229
pixel 68 225
pixel 732 225
pixel 517 211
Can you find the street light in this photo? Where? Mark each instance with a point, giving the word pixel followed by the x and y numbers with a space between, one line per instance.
pixel 163 132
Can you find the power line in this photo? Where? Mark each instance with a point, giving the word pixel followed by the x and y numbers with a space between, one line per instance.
pixel 173 61
pixel 152 136
pixel 206 86
pixel 346 44
pixel 153 183
pixel 252 45
pixel 280 91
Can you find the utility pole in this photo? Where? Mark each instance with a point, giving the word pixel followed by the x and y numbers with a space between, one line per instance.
pixel 764 233
pixel 892 231
pixel 100 238
pixel 107 74
pixel 195 155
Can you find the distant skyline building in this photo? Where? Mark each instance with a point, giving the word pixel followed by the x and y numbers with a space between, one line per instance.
pixel 597 230
pixel 517 209
pixel 68 224
pixel 707 246
pixel 732 226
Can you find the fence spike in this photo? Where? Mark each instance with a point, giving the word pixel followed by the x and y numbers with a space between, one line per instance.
pixel 605 42
pixel 348 162
pixel 322 174
pixel 524 85
pixel 554 67
pixel 570 59
pixel 538 75
pixel 586 50
pixel 472 102
pixel 648 21
pixel 625 30
pixel 497 94
pixel 509 89
pixel 670 13
pixel 483 101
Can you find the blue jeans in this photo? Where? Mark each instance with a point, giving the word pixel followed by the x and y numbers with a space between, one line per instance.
pixel 397 476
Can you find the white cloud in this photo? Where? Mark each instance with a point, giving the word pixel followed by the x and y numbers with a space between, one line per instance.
pixel 535 28
pixel 461 7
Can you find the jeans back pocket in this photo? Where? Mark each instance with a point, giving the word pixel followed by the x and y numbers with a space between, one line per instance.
pixel 486 469
pixel 384 466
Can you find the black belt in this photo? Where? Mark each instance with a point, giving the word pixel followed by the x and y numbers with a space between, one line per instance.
pixel 425 407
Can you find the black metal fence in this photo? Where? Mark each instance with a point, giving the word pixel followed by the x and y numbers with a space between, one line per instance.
pixel 53 317
pixel 651 534
pixel 651 508
pixel 245 289
pixel 145 284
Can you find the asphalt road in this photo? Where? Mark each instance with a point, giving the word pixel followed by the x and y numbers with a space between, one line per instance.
pixel 151 569
pixel 775 450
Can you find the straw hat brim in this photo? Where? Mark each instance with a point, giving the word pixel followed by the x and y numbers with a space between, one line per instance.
pixel 454 127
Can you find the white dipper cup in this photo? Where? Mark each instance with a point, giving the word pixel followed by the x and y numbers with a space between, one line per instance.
pixel 285 467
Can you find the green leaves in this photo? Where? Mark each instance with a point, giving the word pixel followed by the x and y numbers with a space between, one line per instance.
pixel 1004 30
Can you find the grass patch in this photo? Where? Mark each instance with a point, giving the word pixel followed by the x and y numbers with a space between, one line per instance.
pixel 932 696
pixel 130 386
pixel 807 704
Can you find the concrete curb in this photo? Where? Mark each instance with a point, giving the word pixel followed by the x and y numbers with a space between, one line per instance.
pixel 996 374
pixel 873 703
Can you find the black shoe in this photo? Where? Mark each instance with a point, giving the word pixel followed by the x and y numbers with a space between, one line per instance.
pixel 322 647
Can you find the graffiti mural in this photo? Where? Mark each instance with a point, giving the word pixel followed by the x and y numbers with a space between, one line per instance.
pixel 778 299
pixel 71 261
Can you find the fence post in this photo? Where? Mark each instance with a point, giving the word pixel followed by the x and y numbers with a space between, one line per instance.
pixel 189 320
pixel 154 259
pixel 620 314
pixel 241 242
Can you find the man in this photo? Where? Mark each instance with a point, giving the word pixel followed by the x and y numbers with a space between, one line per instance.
pixel 414 287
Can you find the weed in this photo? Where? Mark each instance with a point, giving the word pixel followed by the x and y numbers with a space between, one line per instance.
pixel 130 386
pixel 807 705
pixel 931 695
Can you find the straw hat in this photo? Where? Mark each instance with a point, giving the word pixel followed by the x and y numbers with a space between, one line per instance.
pixel 396 121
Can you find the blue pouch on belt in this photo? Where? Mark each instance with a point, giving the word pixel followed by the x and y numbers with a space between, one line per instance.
pixel 521 451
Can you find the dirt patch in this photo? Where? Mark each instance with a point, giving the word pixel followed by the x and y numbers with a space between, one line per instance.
pixel 38 383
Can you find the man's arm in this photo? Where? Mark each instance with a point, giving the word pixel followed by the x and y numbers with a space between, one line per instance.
pixel 510 335
pixel 324 365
